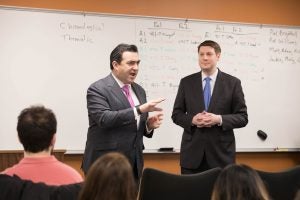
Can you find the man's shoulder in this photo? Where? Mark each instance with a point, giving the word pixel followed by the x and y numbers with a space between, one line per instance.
pixel 8 171
pixel 192 77
pixel 13 169
pixel 103 82
pixel 65 167
pixel 66 170
pixel 227 77
pixel 136 85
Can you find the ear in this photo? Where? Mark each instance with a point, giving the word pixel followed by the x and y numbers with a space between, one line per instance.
pixel 115 64
pixel 53 140
pixel 218 55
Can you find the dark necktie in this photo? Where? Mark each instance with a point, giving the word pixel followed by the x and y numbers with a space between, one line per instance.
pixel 125 89
pixel 207 92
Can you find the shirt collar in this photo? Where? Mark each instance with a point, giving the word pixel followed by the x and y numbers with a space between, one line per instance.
pixel 213 76
pixel 120 83
pixel 28 160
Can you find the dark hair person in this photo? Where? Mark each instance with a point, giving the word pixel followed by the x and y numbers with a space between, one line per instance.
pixel 239 182
pixel 109 178
pixel 37 133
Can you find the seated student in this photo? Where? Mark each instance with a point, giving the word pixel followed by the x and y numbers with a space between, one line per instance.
pixel 109 178
pixel 37 133
pixel 239 182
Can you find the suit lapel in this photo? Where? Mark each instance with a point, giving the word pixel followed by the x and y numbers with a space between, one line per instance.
pixel 117 91
pixel 138 93
pixel 198 93
pixel 216 91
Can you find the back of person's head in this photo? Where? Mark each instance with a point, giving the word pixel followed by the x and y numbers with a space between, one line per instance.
pixel 239 182
pixel 109 178
pixel 36 128
pixel 117 53
pixel 297 197
pixel 212 44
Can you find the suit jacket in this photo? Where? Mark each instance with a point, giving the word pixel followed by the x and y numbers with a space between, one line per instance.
pixel 112 124
pixel 217 142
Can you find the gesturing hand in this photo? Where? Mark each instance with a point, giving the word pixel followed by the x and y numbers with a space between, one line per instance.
pixel 155 121
pixel 150 106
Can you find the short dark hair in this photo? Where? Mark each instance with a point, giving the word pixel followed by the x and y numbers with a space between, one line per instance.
pixel 116 54
pixel 36 127
pixel 212 44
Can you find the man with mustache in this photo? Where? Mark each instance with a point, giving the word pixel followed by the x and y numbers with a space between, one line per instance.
pixel 118 112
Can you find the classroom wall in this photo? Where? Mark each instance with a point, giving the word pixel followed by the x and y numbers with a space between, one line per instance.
pixel 169 162
pixel 255 11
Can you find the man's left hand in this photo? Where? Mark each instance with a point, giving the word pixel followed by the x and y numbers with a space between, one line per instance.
pixel 155 121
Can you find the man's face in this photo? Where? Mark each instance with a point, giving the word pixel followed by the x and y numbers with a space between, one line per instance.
pixel 128 68
pixel 208 58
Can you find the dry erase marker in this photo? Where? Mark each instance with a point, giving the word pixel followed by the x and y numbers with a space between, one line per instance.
pixel 281 149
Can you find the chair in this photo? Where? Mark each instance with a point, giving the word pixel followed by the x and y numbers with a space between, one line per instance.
pixel 15 188
pixel 66 192
pixel 160 185
pixel 282 185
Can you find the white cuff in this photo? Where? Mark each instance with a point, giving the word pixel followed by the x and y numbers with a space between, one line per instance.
pixel 221 121
pixel 148 130
pixel 136 115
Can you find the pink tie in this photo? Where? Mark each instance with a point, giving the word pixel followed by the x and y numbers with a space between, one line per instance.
pixel 125 89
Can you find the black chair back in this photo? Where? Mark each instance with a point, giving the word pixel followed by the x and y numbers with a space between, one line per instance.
pixel 282 185
pixel 159 185
pixel 14 188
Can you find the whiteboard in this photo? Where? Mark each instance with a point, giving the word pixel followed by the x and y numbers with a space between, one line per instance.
pixel 51 57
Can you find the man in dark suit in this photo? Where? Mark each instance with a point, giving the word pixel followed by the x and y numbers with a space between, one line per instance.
pixel 208 109
pixel 118 112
